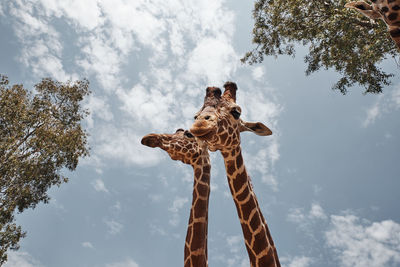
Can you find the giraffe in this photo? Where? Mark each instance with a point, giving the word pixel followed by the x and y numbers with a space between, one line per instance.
pixel 387 10
pixel 218 123
pixel 183 146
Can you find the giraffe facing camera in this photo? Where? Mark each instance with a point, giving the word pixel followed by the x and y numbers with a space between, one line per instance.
pixel 219 125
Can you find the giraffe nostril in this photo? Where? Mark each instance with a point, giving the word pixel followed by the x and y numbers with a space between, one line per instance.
pixel 207 117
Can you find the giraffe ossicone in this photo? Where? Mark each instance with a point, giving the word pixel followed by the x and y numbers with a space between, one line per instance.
pixel 183 146
pixel 219 125
pixel 387 10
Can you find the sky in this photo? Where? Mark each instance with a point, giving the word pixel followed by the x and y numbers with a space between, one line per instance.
pixel 327 180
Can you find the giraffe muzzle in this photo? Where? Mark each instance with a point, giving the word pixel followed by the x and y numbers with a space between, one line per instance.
pixel 201 129
pixel 151 140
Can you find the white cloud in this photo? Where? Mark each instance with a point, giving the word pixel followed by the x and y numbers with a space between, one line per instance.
pixel 208 14
pixel 304 219
pixel 99 186
pixel 351 240
pixel 235 243
pixel 21 259
pixel 385 103
pixel 177 204
pixel 296 215
pixel 87 245
pixel 176 39
pixel 302 261
pixel 85 14
pixel 57 205
pixel 235 255
pixel 213 187
pixel 213 60
pixel 261 162
pixel 317 212
pixel 155 229
pixel 124 145
pixel 99 57
pixel 396 96
pixel 41 48
pixel 126 263
pixel 259 105
pixel 372 115
pixel 137 17
pixel 98 107
pixel 258 73
pixel 114 226
pixel 148 107
pixel 28 21
pixel 357 243
pixel 116 207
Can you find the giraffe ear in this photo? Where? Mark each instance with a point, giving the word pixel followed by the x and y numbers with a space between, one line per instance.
pixel 364 8
pixel 256 127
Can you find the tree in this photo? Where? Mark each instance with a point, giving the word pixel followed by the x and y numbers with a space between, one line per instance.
pixel 337 38
pixel 40 135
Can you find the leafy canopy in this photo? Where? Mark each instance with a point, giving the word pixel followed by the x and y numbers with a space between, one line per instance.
pixel 337 38
pixel 40 134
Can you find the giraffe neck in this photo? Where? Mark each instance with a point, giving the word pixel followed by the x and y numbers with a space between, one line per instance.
pixel 259 244
pixel 196 237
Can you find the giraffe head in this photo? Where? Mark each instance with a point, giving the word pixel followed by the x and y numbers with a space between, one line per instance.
pixel 218 122
pixel 181 145
pixel 387 10
pixel 364 8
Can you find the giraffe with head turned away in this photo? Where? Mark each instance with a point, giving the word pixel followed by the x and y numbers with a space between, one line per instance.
pixel 183 146
pixel 387 10
pixel 218 123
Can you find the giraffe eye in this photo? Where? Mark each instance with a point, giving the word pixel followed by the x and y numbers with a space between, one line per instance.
pixel 179 130
pixel 188 134
pixel 195 117
pixel 235 114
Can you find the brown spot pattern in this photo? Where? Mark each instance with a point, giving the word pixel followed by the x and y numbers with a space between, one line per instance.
pixel 200 208
pixel 242 196
pixel 239 181
pixel 203 190
pixel 198 231
pixel 223 137
pixel 239 160
pixel 267 260
pixel 260 242
pixel 197 172
pixel 198 260
pixel 392 16
pixel 230 168
pixel 247 208
pixel 255 222
pixel 251 254
pixel 246 232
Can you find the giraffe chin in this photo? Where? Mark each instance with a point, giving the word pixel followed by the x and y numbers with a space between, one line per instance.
pixel 202 134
